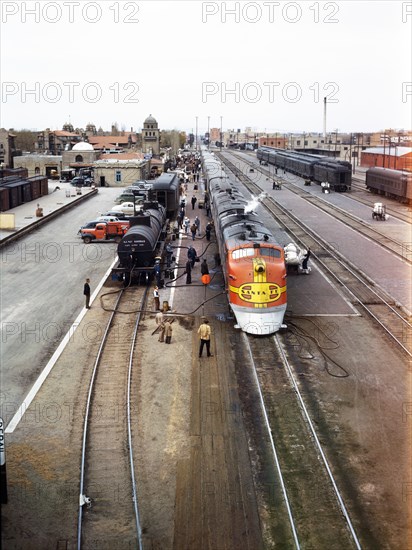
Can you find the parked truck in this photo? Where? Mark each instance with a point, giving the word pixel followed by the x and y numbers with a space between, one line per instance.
pixel 105 231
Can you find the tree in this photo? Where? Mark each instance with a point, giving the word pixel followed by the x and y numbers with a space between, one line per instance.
pixel 25 140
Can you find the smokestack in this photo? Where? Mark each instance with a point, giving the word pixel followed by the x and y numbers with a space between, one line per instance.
pixel 324 119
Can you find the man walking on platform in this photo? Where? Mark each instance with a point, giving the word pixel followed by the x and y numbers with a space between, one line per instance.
pixel 188 272
pixel 86 292
pixel 204 268
pixel 156 297
pixel 204 333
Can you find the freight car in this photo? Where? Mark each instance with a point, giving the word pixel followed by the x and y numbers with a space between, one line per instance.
pixel 253 262
pixel 142 243
pixel 391 183
pixel 166 191
pixel 316 168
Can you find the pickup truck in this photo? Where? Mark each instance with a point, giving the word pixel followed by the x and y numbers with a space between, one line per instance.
pixel 105 231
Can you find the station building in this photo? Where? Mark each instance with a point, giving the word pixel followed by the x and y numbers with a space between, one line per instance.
pixel 36 165
pixel 396 158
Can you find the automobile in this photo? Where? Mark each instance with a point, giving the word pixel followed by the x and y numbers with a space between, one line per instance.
pixel 116 214
pixel 127 208
pixel 89 225
pixel 80 181
pixel 107 218
pixel 141 185
pixel 129 197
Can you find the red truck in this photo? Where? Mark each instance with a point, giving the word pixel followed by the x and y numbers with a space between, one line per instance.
pixel 105 231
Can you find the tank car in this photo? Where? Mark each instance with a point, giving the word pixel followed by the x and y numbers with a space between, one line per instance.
pixel 138 247
pixel 391 183
pixel 253 262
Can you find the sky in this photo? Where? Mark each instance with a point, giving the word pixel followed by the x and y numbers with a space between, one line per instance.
pixel 264 65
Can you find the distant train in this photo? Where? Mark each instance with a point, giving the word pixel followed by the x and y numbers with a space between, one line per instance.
pixel 391 183
pixel 317 168
pixel 253 262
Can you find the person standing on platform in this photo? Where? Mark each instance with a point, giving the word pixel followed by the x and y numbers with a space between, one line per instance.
pixel 204 268
pixel 208 231
pixel 156 297
pixel 188 272
pixel 169 255
pixel 192 255
pixel 157 271
pixel 86 292
pixel 204 334
pixel 305 262
pixel 160 326
pixel 194 201
pixel 186 225
pixel 168 331
pixel 197 224
pixel 193 229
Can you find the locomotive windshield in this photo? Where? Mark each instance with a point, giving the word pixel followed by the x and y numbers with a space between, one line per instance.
pixel 267 252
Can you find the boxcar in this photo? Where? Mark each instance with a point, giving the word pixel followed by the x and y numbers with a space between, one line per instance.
pixel 4 199
pixel 35 187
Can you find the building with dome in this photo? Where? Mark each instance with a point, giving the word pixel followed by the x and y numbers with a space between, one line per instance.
pixel 151 137
pixel 81 155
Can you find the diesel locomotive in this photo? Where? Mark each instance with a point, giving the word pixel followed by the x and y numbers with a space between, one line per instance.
pixel 317 168
pixel 253 262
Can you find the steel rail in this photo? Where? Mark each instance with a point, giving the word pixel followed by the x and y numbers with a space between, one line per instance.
pixel 318 444
pixel 86 420
pixel 272 443
pixel 129 427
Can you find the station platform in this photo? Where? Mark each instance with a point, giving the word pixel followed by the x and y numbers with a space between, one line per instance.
pixel 61 197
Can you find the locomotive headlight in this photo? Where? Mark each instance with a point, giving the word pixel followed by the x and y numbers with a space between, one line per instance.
pixel 259 266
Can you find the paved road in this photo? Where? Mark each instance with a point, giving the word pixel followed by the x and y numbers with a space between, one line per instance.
pixel 42 278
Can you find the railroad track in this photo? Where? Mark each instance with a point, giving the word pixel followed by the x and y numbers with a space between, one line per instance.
pixel 397 247
pixel 367 198
pixel 312 503
pixel 361 291
pixel 107 468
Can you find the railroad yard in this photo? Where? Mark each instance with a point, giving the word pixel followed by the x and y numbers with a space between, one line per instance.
pixel 300 439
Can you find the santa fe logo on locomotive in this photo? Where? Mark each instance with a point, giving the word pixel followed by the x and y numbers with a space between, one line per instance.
pixel 260 294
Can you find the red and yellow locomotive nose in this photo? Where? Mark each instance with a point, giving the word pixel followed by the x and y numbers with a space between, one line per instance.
pixel 260 292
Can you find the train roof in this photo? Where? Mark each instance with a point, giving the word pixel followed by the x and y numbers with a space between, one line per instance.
pixel 302 155
pixel 167 180
pixel 388 171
